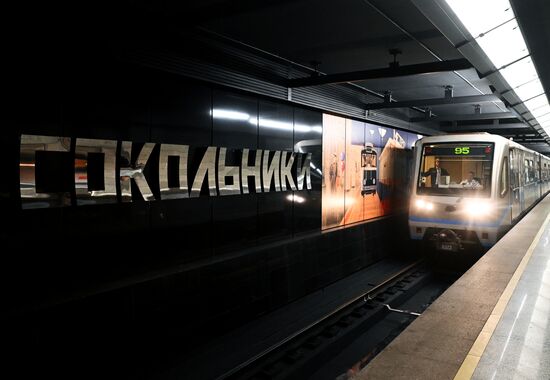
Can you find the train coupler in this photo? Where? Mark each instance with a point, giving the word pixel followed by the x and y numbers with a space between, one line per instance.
pixel 447 240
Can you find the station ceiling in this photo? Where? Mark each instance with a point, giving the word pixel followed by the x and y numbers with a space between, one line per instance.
pixel 354 35
pixel 324 37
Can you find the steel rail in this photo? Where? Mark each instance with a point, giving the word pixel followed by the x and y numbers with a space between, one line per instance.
pixel 363 297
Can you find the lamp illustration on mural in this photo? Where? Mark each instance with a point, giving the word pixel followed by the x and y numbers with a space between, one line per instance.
pixel 382 133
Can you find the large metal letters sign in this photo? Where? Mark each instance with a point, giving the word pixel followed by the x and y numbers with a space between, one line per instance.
pixel 122 165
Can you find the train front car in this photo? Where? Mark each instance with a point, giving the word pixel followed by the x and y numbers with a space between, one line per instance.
pixel 456 201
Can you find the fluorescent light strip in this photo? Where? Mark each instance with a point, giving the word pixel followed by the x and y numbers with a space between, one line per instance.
pixel 504 44
pixel 529 90
pixel 543 119
pixel 474 14
pixel 536 102
pixel 493 24
pixel 540 111
pixel 519 73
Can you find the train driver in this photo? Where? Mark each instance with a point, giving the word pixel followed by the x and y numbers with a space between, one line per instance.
pixel 435 173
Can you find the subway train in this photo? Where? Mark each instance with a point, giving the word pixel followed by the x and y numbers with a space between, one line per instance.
pixel 469 189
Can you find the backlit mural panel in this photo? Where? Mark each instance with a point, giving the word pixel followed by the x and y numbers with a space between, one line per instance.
pixel 366 170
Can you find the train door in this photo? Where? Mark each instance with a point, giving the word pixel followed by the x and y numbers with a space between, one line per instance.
pixel 538 174
pixel 503 198
pixel 515 196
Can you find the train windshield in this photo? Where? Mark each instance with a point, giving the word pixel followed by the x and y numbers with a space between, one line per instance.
pixel 456 169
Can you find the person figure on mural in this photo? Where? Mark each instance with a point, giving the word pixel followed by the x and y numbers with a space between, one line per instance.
pixel 371 161
pixel 333 173
pixel 435 173
pixel 342 168
pixel 471 182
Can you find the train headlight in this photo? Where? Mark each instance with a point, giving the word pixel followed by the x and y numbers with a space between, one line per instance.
pixel 423 205
pixel 478 208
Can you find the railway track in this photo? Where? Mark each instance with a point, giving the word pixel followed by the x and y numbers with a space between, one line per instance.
pixel 301 353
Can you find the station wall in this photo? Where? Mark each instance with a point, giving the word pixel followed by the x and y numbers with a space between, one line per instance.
pixel 161 264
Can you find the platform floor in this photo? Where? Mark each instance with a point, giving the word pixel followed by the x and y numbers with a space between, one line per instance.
pixel 491 324
pixel 519 347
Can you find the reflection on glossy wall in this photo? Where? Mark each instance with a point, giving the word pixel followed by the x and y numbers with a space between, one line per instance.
pixel 339 165
pixel 308 133
pixel 142 108
pixel 366 170
pixel 334 153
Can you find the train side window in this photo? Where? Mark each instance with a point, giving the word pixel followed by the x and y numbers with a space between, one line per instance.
pixel 503 188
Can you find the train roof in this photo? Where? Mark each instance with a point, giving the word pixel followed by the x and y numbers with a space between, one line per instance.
pixel 474 137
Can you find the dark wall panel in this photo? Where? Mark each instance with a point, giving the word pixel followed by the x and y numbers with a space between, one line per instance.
pixel 181 112
pixel 111 105
pixel 276 126
pixel 235 221
pixel 38 112
pixel 275 133
pixel 235 119
pixel 308 137
pixel 188 224
pixel 274 216
pixel 108 105
pixel 235 125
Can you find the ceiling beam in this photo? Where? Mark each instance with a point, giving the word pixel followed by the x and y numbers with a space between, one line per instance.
pixel 387 72
pixel 470 116
pixel 530 141
pixel 542 144
pixel 434 102
pixel 483 127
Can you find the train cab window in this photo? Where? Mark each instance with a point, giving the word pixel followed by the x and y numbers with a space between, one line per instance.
pixel 456 169
pixel 503 183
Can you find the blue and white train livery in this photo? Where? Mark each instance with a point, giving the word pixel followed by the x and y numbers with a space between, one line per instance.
pixel 469 189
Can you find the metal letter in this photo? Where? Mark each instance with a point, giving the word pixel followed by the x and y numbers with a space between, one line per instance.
pixel 85 196
pixel 286 171
pixel 251 171
pixel 126 171
pixel 227 171
pixel 207 166
pixel 135 172
pixel 30 198
pixel 181 151
pixel 268 171
pixel 304 170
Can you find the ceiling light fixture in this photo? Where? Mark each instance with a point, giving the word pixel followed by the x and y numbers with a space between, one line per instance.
pixel 500 37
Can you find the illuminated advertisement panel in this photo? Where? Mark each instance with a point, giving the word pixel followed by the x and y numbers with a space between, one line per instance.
pixel 366 170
